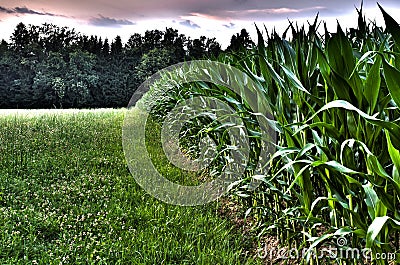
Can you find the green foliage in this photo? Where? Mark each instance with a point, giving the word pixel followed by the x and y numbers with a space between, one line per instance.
pixel 335 101
pixel 55 67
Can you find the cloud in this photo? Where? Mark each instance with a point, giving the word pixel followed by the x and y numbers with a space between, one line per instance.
pixel 121 12
pixel 259 13
pixel 229 26
pixel 117 11
pixel 102 21
pixel 24 10
pixel 190 24
pixel 6 10
pixel 268 13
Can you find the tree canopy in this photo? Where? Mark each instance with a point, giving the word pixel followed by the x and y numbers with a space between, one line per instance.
pixel 49 66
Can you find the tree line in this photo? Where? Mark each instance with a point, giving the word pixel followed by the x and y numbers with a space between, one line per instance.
pixel 49 66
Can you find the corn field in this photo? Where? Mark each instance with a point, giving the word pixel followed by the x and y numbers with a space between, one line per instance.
pixel 335 99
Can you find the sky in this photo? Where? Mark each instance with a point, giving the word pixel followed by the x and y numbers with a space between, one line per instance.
pixel 218 19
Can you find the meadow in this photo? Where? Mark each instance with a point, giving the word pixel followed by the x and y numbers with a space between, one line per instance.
pixel 66 194
pixel 67 197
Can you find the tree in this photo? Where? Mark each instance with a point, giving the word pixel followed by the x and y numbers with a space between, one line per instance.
pixel 16 78
pixel 81 80
pixel 105 50
pixel 153 61
pixel 49 86
pixel 135 42
pixel 213 48
pixel 3 47
pixel 116 46
pixel 8 70
pixel 56 39
pixel 20 38
pixel 179 48
pixel 152 40
pixel 197 48
pixel 240 41
pixel 170 35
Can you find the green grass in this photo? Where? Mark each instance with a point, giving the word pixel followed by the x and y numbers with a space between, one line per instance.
pixel 66 196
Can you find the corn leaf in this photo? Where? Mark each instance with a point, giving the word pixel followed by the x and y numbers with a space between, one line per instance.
pixel 392 77
pixel 372 84
pixel 392 26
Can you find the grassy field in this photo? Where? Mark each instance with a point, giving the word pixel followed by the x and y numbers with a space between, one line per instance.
pixel 66 196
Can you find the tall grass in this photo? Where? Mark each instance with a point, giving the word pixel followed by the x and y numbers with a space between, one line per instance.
pixel 67 197
pixel 335 98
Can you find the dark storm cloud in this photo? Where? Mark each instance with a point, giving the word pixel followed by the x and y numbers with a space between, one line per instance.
pixel 24 10
pixel 190 24
pixel 102 21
